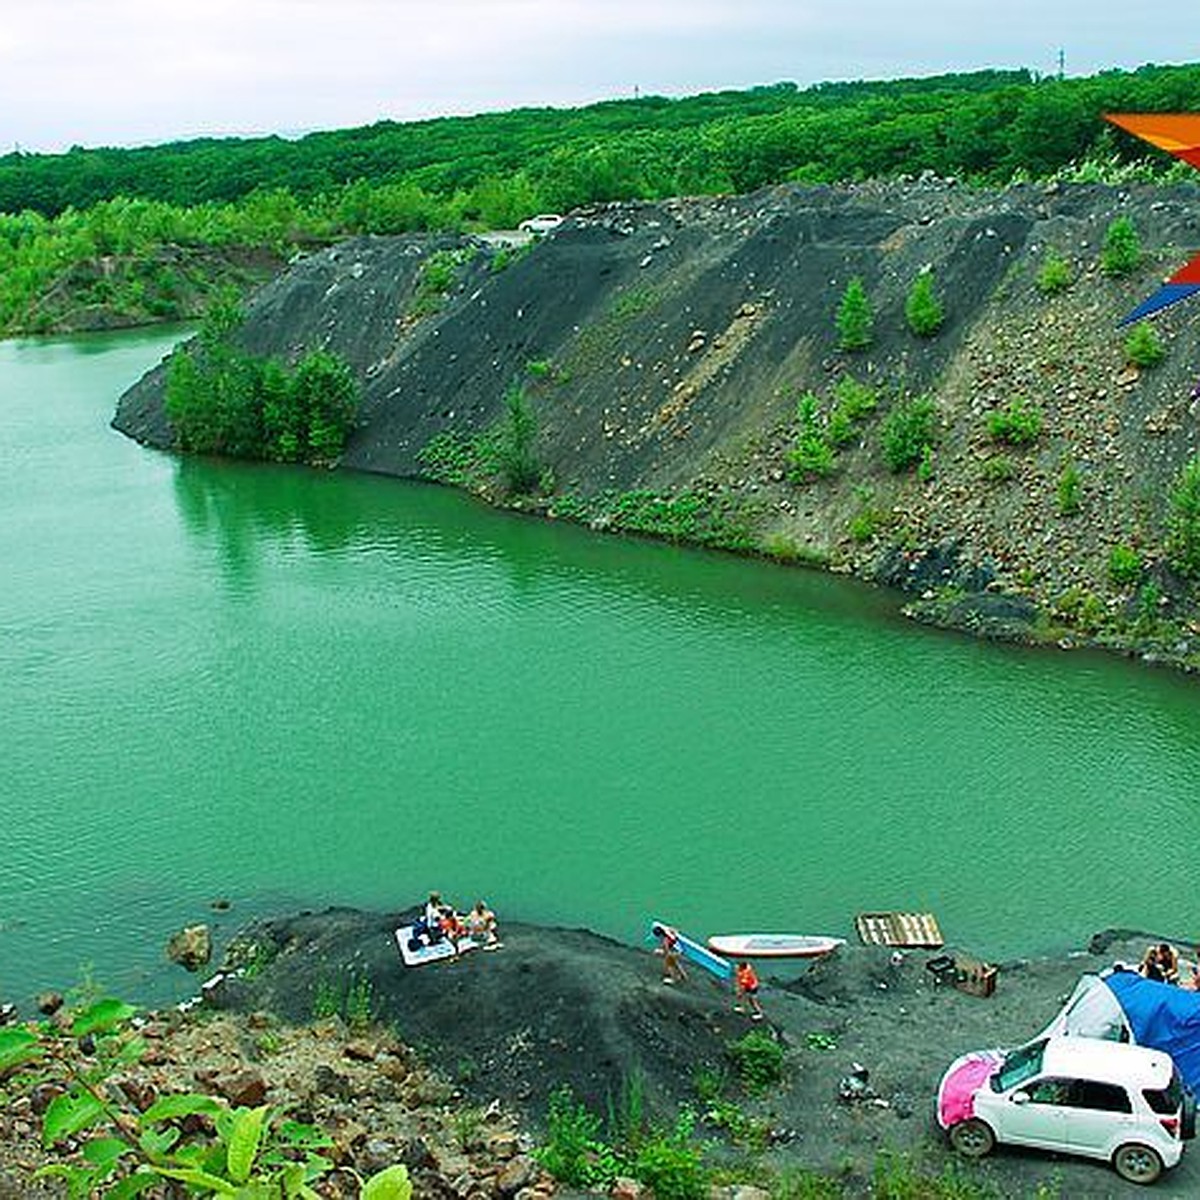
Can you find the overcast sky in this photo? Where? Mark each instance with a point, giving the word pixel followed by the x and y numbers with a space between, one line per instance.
pixel 129 72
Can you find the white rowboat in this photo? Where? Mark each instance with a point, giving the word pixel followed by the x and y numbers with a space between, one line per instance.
pixel 773 945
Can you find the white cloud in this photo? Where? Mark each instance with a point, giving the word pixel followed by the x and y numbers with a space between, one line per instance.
pixel 124 71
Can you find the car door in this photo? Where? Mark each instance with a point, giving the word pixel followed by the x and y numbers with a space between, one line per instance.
pixel 1099 1117
pixel 1034 1114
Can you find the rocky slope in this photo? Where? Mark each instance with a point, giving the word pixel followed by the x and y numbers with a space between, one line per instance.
pixel 664 347
pixel 559 1006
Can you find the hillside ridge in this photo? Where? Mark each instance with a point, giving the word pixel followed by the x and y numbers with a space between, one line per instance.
pixel 663 347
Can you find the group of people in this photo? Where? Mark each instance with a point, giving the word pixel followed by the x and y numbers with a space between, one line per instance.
pixel 745 980
pixel 442 922
pixel 1161 963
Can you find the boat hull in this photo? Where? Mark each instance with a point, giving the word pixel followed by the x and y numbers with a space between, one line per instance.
pixel 774 945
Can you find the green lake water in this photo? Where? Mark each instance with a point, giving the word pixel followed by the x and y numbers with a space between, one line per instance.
pixel 294 688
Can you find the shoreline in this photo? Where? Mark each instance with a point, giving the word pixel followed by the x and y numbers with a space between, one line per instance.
pixel 556 1007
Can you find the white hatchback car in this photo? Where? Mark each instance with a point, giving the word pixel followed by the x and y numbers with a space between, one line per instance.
pixel 542 223
pixel 1108 1100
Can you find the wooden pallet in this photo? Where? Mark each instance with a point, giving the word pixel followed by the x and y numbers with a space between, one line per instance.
pixel 914 930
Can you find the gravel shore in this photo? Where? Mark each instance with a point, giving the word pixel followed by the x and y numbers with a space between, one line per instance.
pixel 559 1006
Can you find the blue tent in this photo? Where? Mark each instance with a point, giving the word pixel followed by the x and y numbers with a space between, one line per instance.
pixel 1123 1007
pixel 1163 1017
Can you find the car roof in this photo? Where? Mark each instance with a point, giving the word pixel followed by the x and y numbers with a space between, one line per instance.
pixel 1116 1062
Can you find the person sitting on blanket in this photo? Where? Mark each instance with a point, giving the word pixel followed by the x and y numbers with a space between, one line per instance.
pixel 451 926
pixel 429 925
pixel 481 925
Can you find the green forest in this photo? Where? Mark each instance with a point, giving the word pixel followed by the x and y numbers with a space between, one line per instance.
pixel 122 207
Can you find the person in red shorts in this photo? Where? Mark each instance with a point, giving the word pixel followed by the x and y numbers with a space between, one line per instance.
pixel 746 987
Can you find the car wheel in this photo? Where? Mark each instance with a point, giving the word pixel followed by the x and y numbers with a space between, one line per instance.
pixel 1137 1163
pixel 972 1138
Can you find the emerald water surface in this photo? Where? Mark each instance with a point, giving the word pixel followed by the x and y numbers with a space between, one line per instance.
pixel 294 688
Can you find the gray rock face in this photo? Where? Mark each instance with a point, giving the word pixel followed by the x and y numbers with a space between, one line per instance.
pixel 663 347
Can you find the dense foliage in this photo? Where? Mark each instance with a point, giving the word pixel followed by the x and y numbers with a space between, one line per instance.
pixel 224 401
pixel 495 167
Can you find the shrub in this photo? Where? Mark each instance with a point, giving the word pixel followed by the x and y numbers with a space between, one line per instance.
pixel 998 469
pixel 856 400
pixel 669 1164
pixel 1124 565
pixel 1070 489
pixel 1183 521
pixel 573 1152
pixel 811 454
pixel 854 319
pixel 1122 251
pixel 1143 346
pixel 222 401
pixel 853 402
pixel 438 276
pixel 1018 423
pixel 923 310
pixel 907 431
pixel 513 446
pixel 758 1060
pixel 1055 275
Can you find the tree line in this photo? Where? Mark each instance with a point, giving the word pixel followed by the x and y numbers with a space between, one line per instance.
pixel 117 208
pixel 983 127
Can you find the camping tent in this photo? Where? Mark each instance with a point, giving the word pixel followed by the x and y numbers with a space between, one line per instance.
pixel 1121 1006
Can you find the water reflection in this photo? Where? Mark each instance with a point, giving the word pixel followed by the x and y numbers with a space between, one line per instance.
pixel 251 511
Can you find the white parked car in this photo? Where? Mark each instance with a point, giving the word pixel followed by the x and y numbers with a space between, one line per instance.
pixel 1124 1104
pixel 542 223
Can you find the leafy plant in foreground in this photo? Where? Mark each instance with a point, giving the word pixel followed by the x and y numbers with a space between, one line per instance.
pixel 513 446
pixel 811 453
pixel 191 1139
pixel 1124 565
pixel 573 1151
pixel 758 1059
pixel 1070 489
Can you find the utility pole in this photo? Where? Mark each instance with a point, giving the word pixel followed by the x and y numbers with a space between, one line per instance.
pixel 1062 62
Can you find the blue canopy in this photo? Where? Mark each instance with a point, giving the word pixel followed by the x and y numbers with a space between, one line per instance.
pixel 1163 1017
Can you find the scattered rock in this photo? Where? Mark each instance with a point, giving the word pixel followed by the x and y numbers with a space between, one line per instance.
pixel 49 1003
pixel 191 947
pixel 515 1175
pixel 246 1089
pixel 329 1082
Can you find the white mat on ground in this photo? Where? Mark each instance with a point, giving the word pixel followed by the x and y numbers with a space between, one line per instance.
pixel 425 953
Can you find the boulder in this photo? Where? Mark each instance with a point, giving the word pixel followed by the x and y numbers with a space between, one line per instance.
pixel 245 1089
pixel 49 1003
pixel 191 947
pixel 515 1175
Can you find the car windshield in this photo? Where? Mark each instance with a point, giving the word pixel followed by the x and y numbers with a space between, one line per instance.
pixel 1019 1065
